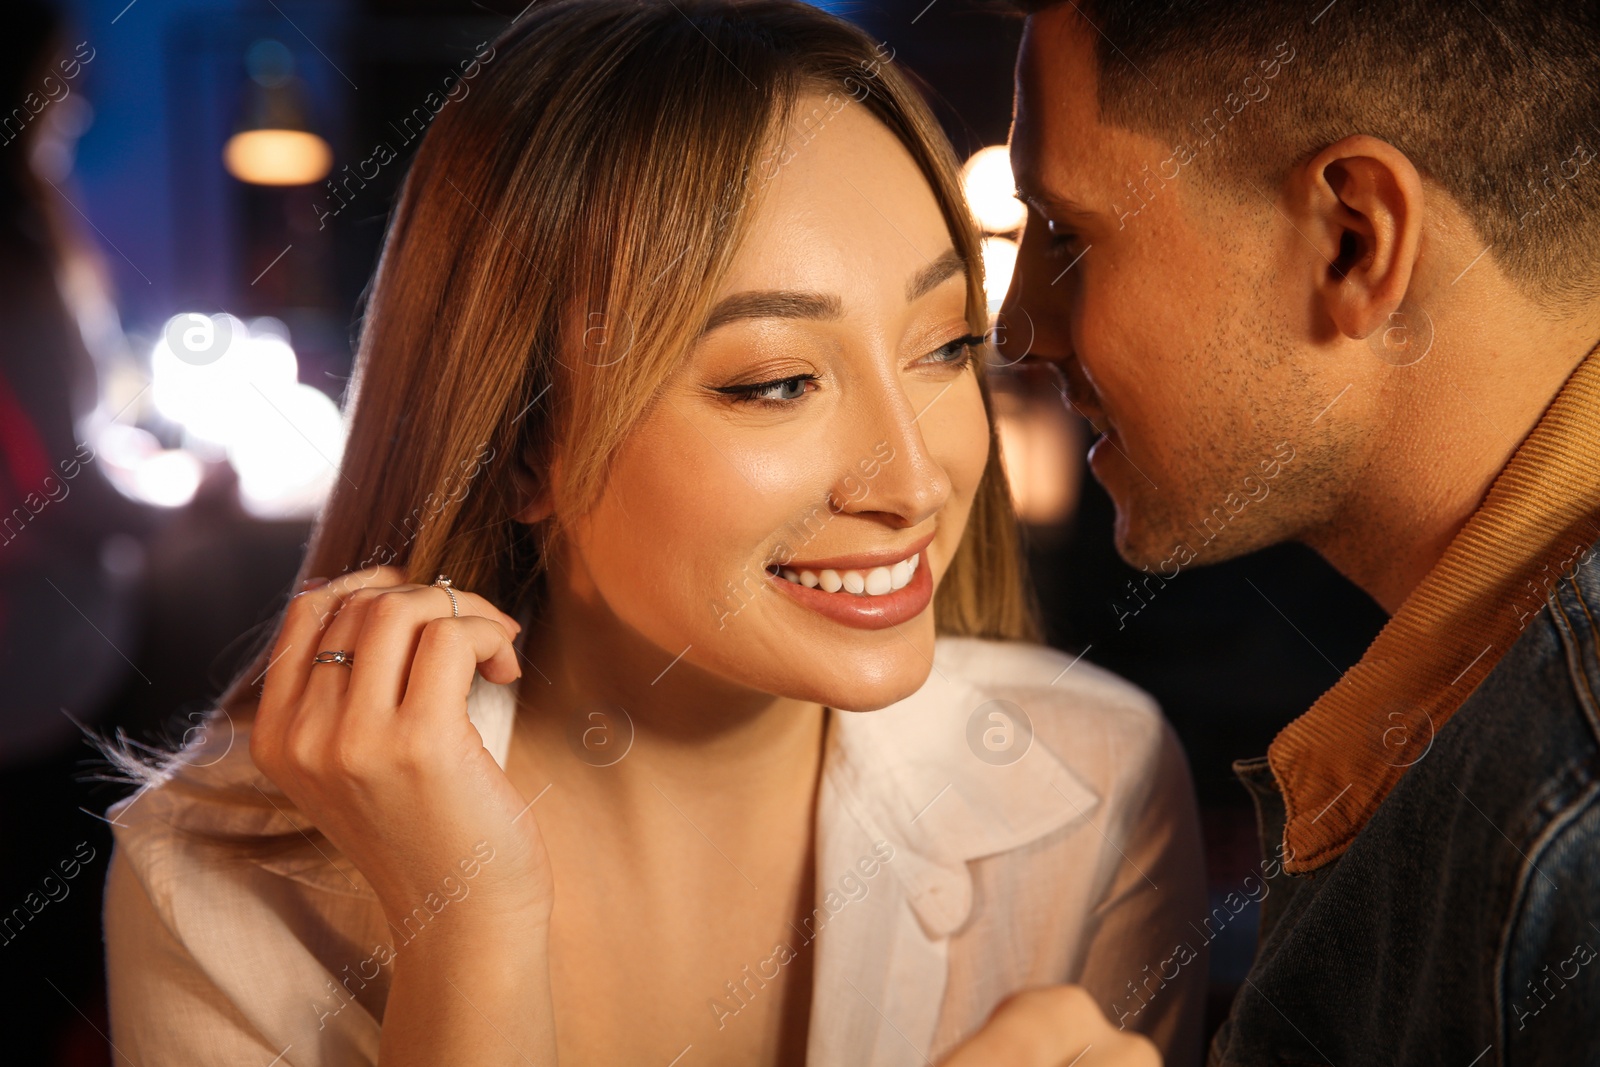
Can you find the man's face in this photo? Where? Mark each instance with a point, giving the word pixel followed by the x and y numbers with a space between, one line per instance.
pixel 1180 312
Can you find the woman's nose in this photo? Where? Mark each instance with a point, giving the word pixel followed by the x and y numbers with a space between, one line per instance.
pixel 889 467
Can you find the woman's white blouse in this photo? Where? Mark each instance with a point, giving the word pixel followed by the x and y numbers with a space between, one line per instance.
pixel 1078 862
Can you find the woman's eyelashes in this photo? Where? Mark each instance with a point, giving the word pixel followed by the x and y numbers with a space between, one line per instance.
pixel 785 392
pixel 779 392
pixel 958 353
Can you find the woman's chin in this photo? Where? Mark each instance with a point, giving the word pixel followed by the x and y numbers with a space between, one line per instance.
pixel 865 686
pixel 850 670
pixel 876 704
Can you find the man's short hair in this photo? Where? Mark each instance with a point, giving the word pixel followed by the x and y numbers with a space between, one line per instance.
pixel 1497 102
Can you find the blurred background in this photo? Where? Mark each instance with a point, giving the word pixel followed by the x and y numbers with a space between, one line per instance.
pixel 202 176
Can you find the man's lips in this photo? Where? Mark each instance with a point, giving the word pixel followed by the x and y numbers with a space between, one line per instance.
pixel 1083 397
pixel 1089 408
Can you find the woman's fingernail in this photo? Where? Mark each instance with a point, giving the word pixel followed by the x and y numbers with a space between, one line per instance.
pixel 312 583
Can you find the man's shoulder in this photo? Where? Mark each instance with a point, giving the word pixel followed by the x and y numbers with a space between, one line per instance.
pixel 1480 867
pixel 1521 755
pixel 1537 710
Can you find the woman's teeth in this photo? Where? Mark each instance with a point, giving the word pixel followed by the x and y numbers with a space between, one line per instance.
pixel 874 582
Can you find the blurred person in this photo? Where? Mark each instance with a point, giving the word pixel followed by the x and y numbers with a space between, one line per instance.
pixel 61 559
pixel 664 674
pixel 68 541
pixel 1327 274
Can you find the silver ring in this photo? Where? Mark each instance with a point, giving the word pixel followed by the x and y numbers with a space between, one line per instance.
pixel 335 656
pixel 444 583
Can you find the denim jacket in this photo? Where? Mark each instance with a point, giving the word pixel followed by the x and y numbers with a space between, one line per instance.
pixel 1461 927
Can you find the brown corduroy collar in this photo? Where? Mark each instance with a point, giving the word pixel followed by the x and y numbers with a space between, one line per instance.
pixel 1337 762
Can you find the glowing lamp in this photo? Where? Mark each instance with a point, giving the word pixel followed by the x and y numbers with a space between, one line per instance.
pixel 277 157
pixel 275 142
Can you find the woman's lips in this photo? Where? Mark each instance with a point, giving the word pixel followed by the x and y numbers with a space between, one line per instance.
pixel 883 557
pixel 864 611
pixel 871 590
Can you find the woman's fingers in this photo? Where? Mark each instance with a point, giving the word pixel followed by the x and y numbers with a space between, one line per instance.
pixel 390 625
pixel 377 676
pixel 378 618
pixel 329 685
pixel 448 652
pixel 305 622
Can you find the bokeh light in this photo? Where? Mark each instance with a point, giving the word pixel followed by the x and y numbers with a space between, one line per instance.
pixel 991 192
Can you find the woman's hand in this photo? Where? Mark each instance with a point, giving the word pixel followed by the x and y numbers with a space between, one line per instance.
pixel 1056 1026
pixel 381 757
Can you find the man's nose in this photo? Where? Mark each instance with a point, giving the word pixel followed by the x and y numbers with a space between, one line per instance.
pixel 1015 334
pixel 1031 323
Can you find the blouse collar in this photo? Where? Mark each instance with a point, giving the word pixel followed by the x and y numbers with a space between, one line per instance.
pixel 911 774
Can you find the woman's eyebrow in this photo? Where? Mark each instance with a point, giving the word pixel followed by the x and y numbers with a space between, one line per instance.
pixel 774 304
pixel 930 277
pixel 797 304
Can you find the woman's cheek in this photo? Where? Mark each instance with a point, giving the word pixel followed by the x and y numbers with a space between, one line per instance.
pixel 964 445
pixel 961 446
pixel 674 544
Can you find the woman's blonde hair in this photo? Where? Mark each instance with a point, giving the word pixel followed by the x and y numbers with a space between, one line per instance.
pixel 554 251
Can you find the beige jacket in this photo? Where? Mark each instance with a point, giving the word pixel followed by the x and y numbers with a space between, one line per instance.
pixel 1077 861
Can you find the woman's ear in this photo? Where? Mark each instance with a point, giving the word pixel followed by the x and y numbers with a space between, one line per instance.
pixel 1361 200
pixel 534 499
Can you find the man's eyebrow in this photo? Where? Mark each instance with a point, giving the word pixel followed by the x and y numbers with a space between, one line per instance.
pixel 1048 204
pixel 1040 200
pixel 930 277
pixel 774 304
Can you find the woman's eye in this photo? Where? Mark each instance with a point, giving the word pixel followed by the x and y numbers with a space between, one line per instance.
pixel 777 392
pixel 957 353
pixel 784 392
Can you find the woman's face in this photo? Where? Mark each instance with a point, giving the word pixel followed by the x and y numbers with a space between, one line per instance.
pixel 825 431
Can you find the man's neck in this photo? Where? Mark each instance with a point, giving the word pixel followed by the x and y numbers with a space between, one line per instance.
pixel 1449 432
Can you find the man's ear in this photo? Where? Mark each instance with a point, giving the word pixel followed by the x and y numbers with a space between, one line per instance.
pixel 1362 201
pixel 535 499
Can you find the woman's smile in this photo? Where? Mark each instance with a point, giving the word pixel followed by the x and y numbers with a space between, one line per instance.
pixel 871 591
